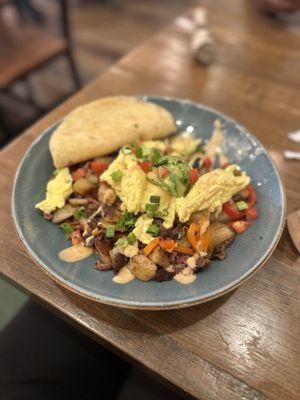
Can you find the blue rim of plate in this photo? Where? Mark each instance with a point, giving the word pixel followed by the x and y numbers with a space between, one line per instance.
pixel 154 305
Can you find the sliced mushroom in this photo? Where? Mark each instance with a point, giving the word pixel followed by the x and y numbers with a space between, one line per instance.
pixel 159 257
pixel 78 202
pixel 62 214
pixel 103 248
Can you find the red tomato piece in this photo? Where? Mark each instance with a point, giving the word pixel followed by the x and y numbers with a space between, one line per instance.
pixel 146 166
pixel 194 175
pixel 240 226
pixel 207 162
pixel 251 200
pixel 98 167
pixel 162 172
pixel 76 237
pixel 231 210
pixel 225 165
pixel 78 174
pixel 251 213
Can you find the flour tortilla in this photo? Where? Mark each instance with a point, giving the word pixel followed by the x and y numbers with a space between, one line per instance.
pixel 103 126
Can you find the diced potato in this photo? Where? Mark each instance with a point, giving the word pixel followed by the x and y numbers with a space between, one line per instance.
pixel 62 214
pixel 78 202
pixel 94 179
pixel 143 268
pixel 220 232
pixel 106 195
pixel 82 186
pixel 159 257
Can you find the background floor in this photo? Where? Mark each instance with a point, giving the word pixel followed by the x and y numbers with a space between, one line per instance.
pixel 102 32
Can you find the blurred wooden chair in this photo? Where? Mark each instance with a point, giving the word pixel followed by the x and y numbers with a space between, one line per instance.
pixel 26 47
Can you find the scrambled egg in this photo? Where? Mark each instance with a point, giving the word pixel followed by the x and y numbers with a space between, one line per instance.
pixel 58 190
pixel 135 190
pixel 211 191
pixel 141 226
pixel 185 144
pixel 155 144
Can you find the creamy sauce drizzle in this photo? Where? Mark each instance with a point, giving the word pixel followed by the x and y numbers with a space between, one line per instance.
pixel 75 253
pixel 123 276
pixel 186 276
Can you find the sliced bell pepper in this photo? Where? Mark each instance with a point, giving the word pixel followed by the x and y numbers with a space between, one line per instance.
pixel 98 167
pixel 184 249
pixel 167 244
pixel 193 235
pixel 151 246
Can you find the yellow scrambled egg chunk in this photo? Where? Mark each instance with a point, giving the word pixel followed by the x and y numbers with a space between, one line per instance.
pixel 185 144
pixel 211 191
pixel 135 190
pixel 141 226
pixel 58 190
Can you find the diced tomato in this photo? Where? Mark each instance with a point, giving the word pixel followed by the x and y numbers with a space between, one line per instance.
pixel 98 167
pixel 225 165
pixel 251 200
pixel 162 172
pixel 78 174
pixel 194 175
pixel 231 210
pixel 76 237
pixel 146 166
pixel 251 213
pixel 240 226
pixel 207 162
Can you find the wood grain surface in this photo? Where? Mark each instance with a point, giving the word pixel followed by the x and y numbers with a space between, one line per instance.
pixel 244 345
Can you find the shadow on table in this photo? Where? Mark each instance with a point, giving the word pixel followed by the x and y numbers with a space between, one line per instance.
pixel 140 321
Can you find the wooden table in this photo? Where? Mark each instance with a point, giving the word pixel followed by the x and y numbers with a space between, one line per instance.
pixel 246 344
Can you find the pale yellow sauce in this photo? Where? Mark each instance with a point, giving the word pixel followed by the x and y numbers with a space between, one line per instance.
pixel 75 253
pixel 123 276
pixel 186 277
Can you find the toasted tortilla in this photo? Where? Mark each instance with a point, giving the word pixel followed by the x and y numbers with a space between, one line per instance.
pixel 103 126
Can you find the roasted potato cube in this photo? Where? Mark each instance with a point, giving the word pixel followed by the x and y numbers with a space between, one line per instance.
pixel 106 195
pixel 143 268
pixel 220 232
pixel 61 214
pixel 159 257
pixel 82 186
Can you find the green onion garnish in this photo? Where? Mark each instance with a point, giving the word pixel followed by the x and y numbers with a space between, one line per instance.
pixel 139 152
pixel 131 238
pixel 116 176
pixel 79 213
pixel 200 149
pixel 155 156
pixel 127 150
pixel 153 230
pixel 110 231
pixel 241 205
pixel 155 199
pixel 67 228
pixel 151 209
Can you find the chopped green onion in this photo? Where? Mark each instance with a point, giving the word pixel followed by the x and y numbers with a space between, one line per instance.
pixel 155 199
pixel 127 221
pixel 127 150
pixel 110 231
pixel 79 213
pixel 116 176
pixel 139 152
pixel 200 149
pixel 131 238
pixel 241 205
pixel 151 209
pixel 153 230
pixel 67 228
pixel 56 171
pixel 122 242
pixel 155 156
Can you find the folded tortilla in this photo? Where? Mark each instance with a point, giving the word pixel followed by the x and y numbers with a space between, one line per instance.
pixel 103 126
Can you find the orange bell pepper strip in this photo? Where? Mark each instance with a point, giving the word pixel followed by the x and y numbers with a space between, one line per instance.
pixel 151 246
pixel 206 241
pixel 168 244
pixel 184 249
pixel 193 235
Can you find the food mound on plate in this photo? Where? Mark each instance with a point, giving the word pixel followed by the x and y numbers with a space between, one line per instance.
pixel 159 209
